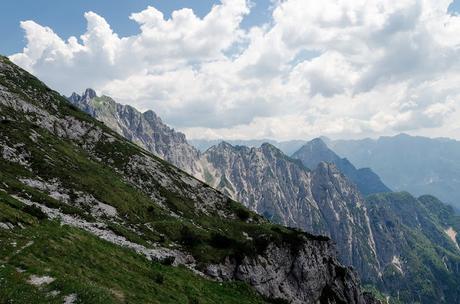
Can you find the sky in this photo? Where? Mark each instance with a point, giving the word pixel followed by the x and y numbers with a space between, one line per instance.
pixel 240 69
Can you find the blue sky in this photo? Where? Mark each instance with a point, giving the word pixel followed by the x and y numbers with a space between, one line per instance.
pixel 248 69
pixel 66 17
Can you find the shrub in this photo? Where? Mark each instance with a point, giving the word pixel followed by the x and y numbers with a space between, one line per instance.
pixel 189 237
pixel 35 211
pixel 168 261
pixel 243 214
pixel 151 210
pixel 159 279
pixel 221 241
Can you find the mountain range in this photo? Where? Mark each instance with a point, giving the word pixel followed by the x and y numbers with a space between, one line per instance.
pixel 416 164
pixel 312 193
pixel 288 147
pixel 419 165
pixel 88 216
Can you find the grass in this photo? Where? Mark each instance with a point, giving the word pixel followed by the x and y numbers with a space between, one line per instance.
pixel 99 272
pixel 95 270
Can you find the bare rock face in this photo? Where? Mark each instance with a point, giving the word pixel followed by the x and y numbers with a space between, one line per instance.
pixel 308 273
pixel 321 201
pixel 145 129
pixel 263 179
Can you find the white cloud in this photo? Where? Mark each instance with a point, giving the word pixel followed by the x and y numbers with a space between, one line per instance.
pixel 334 67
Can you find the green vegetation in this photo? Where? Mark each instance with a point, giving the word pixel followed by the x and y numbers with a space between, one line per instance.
pixel 416 229
pixel 95 270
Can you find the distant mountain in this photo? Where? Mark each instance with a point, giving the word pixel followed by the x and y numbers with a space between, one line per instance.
pixel 316 151
pixel 416 164
pixel 288 147
pixel 86 216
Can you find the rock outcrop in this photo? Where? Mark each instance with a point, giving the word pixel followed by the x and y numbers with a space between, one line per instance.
pixel 294 272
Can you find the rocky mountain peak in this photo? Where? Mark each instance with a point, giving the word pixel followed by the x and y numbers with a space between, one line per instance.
pixel 318 142
pixel 316 151
pixel 152 117
pixel 267 147
pixel 89 94
pixel 86 96
pixel 74 97
pixel 225 145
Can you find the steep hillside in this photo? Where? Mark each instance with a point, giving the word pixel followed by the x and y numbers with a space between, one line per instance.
pixel 415 164
pixel 418 247
pixel 316 151
pixel 63 173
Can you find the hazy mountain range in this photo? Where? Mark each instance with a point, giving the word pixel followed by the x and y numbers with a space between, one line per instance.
pixel 416 164
pixel 312 193
pixel 316 151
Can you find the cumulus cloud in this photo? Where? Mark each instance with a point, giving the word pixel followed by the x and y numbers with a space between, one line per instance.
pixel 334 67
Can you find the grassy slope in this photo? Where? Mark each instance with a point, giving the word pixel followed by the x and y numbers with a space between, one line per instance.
pixel 95 270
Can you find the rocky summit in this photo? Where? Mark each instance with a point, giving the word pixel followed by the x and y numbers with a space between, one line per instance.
pixel 316 151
